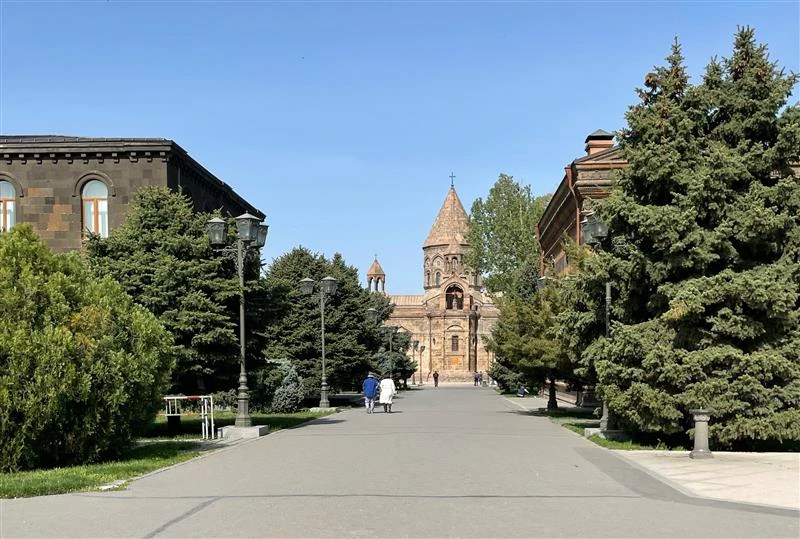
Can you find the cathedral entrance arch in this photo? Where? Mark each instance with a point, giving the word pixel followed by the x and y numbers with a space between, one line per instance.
pixel 454 297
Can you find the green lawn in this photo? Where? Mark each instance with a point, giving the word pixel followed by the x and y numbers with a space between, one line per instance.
pixel 137 461
pixel 190 423
pixel 154 451
pixel 579 426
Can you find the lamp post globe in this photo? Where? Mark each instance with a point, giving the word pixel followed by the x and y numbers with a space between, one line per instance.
pixel 247 227
pixel 261 238
pixel 217 230
pixel 306 286
pixel 329 285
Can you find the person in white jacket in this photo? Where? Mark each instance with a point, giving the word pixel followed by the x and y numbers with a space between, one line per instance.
pixel 388 390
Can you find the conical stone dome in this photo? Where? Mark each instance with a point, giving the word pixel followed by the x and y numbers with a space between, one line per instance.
pixel 375 270
pixel 451 225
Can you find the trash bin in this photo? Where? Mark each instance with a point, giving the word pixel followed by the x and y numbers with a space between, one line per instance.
pixel 173 425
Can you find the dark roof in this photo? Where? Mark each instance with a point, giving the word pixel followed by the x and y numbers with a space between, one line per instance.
pixel 67 144
pixel 11 139
pixel 599 134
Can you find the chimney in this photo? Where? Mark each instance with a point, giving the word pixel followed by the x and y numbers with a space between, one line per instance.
pixel 598 141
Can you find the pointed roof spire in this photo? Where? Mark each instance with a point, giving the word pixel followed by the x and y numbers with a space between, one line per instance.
pixel 375 270
pixel 451 224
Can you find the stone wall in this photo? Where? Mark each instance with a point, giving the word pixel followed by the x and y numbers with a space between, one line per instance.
pixel 48 174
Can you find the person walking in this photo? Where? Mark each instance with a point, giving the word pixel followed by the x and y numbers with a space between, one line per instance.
pixel 388 390
pixel 435 378
pixel 475 379
pixel 370 390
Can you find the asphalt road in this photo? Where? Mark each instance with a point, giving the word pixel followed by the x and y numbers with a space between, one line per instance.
pixel 456 461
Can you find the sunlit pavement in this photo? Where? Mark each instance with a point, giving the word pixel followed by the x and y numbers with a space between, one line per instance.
pixel 770 479
pixel 456 461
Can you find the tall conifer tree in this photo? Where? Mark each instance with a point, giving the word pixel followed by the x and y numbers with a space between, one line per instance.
pixel 703 254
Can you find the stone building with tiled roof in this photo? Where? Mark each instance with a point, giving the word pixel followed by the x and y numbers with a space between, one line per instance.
pixel 587 178
pixel 451 319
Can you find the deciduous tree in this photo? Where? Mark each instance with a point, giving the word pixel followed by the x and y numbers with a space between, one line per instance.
pixel 502 235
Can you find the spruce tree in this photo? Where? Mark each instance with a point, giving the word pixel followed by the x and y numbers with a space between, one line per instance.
pixel 162 258
pixel 293 328
pixel 703 254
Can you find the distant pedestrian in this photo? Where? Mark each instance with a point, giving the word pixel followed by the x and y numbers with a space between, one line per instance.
pixel 480 378
pixel 475 378
pixel 388 390
pixel 435 378
pixel 522 391
pixel 370 390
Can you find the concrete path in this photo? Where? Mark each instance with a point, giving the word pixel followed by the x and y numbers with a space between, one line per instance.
pixel 757 478
pixel 771 479
pixel 453 462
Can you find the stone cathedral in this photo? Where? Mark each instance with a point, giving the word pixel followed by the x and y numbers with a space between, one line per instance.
pixel 451 319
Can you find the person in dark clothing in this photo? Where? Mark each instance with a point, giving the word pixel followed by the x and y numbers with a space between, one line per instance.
pixel 435 378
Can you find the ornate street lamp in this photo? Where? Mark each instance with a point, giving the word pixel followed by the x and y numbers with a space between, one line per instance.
pixel 327 287
pixel 391 330
pixel 250 234
pixel 414 348
pixel 594 231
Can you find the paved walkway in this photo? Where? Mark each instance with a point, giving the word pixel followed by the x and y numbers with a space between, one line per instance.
pixel 453 462
pixel 771 479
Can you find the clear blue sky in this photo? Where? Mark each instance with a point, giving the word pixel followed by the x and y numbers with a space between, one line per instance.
pixel 343 121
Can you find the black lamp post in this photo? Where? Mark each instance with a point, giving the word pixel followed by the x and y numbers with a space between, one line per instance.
pixel 414 348
pixel 327 287
pixel 251 233
pixel 373 313
pixel 594 231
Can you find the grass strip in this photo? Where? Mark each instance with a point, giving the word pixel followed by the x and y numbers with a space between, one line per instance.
pixel 190 423
pixel 156 450
pixel 137 461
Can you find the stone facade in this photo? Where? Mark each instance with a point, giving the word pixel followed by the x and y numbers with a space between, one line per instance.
pixel 48 174
pixel 587 178
pixel 451 319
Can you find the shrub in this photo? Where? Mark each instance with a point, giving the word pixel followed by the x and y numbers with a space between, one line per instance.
pixel 265 382
pixel 507 378
pixel 82 368
pixel 289 396
pixel 225 400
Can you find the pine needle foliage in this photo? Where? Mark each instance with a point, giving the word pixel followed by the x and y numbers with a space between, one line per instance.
pixel 704 255
pixel 294 326
pixel 162 258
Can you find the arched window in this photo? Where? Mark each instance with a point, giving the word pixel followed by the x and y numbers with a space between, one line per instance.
pixel 94 197
pixel 438 278
pixel 454 298
pixel 8 200
pixel 454 343
pixel 428 278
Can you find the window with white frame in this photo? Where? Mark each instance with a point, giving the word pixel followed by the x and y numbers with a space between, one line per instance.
pixel 94 197
pixel 8 201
